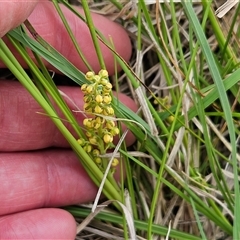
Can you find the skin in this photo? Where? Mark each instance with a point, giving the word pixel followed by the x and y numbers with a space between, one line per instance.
pixel 34 183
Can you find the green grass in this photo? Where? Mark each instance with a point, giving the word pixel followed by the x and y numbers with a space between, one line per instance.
pixel 182 173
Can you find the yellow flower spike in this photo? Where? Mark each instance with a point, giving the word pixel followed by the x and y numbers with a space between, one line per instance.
pixel 99 99
pixel 95 152
pixel 98 109
pixel 98 160
pixel 89 75
pixel 93 140
pixel 107 99
pixel 115 162
pixel 107 138
pixel 103 73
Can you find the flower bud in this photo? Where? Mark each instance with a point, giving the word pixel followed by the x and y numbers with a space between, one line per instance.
pixel 99 98
pixel 88 134
pixel 115 162
pixel 93 140
pixel 98 109
pixel 103 73
pixel 170 119
pixel 104 81
pixel 107 138
pixel 96 78
pixel 89 89
pixel 109 111
pixel 99 120
pixel 95 152
pixel 107 99
pixel 108 86
pixel 84 87
pixel 87 107
pixel 87 122
pixel 97 125
pixel 98 160
pixel 89 76
pixel 81 141
pixel 110 124
pixel 87 148
pixel 87 98
pixel 115 131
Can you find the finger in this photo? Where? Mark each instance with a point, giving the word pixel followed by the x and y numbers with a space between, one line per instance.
pixel 48 178
pixel 38 224
pixel 13 13
pixel 48 24
pixel 22 127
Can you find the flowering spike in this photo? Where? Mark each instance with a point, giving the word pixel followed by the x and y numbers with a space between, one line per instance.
pixel 99 130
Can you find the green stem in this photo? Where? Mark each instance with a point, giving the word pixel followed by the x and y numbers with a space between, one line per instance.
pixel 93 33
pixel 71 35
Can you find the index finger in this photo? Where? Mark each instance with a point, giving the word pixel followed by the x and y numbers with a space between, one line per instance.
pixel 13 13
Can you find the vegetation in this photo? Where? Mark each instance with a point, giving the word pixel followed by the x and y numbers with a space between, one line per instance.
pixel 182 173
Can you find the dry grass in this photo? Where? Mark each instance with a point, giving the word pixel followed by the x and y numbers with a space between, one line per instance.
pixel 170 209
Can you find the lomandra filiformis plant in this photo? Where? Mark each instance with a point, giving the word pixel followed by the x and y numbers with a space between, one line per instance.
pixel 99 126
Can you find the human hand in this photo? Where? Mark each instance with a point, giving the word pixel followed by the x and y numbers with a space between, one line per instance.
pixel 35 177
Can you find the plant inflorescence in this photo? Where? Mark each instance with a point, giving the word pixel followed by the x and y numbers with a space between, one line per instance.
pixel 100 128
